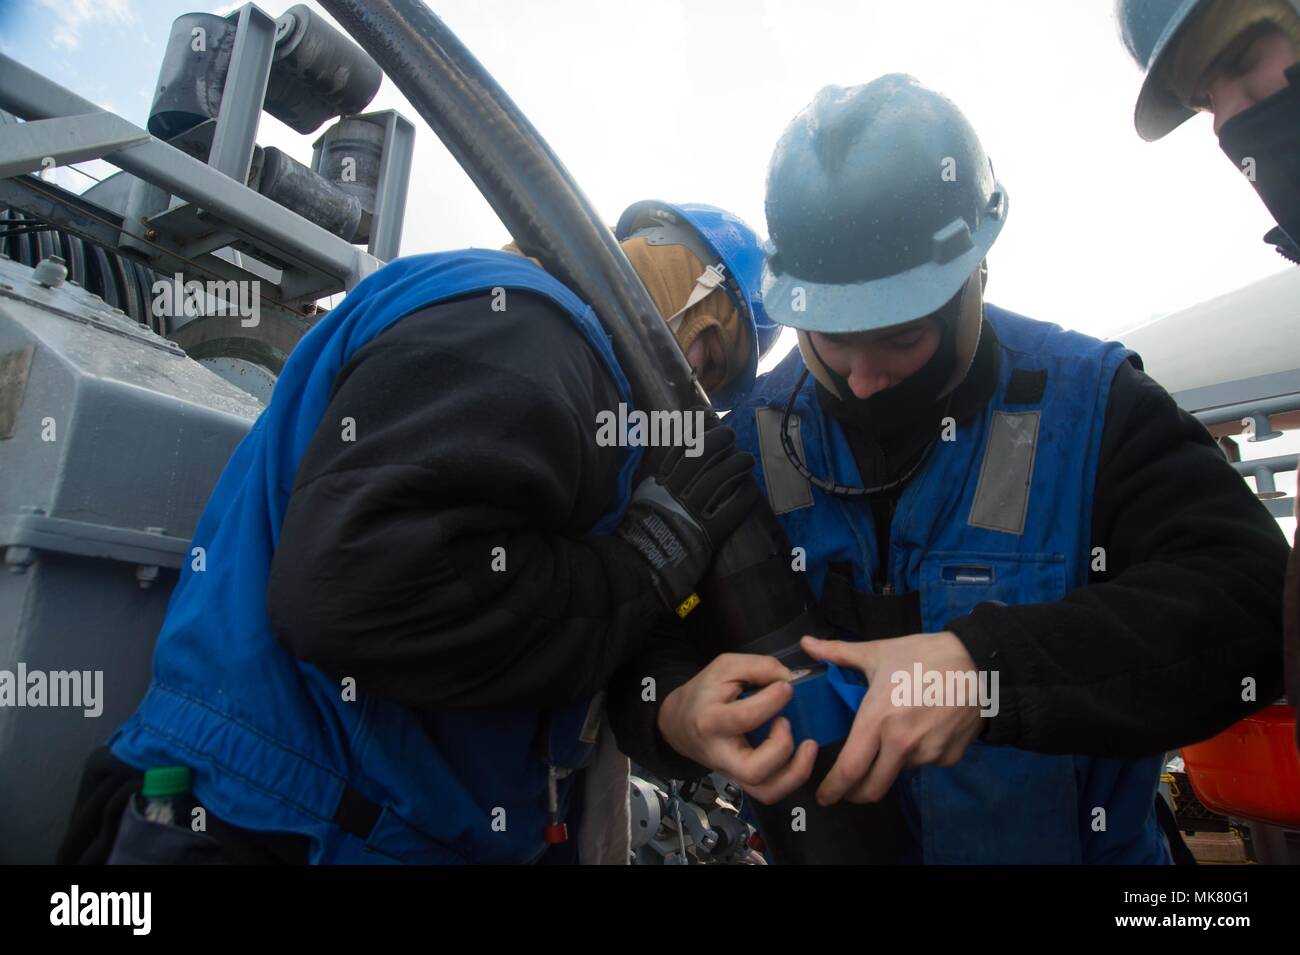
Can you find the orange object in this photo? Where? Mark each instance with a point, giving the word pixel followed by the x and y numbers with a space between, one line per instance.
pixel 1251 769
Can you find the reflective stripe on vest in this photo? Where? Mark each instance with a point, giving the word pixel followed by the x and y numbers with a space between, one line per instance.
pixel 787 489
pixel 1006 473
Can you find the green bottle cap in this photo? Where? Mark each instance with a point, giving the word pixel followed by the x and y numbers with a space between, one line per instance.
pixel 166 781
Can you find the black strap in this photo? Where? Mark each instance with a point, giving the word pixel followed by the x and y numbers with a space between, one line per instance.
pixel 1026 387
pixel 356 815
pixel 868 615
pixel 1177 847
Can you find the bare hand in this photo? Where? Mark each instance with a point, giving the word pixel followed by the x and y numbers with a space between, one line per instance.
pixel 887 738
pixel 705 720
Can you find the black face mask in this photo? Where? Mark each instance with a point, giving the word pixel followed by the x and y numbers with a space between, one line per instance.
pixel 899 407
pixel 1269 133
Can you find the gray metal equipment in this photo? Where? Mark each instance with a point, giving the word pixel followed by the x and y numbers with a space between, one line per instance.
pixel 123 395
pixel 695 822
pixel 208 203
pixel 110 441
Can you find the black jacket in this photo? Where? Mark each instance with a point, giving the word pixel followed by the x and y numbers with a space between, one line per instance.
pixel 1152 654
pixel 441 558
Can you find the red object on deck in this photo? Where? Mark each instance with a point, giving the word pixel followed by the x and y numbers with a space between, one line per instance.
pixel 556 833
pixel 1251 769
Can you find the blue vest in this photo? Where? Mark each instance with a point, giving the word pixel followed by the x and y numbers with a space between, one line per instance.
pixel 272 742
pixel 1002 512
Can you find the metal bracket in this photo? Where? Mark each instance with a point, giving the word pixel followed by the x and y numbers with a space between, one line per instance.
pixel 390 195
pixel 327 264
pixel 83 539
pixel 243 94
pixel 28 147
pixel 1261 428
pixel 1262 470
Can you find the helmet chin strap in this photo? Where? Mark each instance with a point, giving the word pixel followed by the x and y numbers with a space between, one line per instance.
pixel 813 362
pixel 710 279
pixel 970 318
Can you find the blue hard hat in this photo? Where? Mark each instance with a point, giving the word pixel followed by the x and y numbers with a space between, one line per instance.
pixel 714 235
pixel 881 204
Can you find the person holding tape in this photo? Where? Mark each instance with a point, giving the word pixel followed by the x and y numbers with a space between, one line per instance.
pixel 422 564
pixel 982 502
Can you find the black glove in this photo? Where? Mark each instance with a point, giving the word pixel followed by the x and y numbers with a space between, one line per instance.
pixel 679 517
